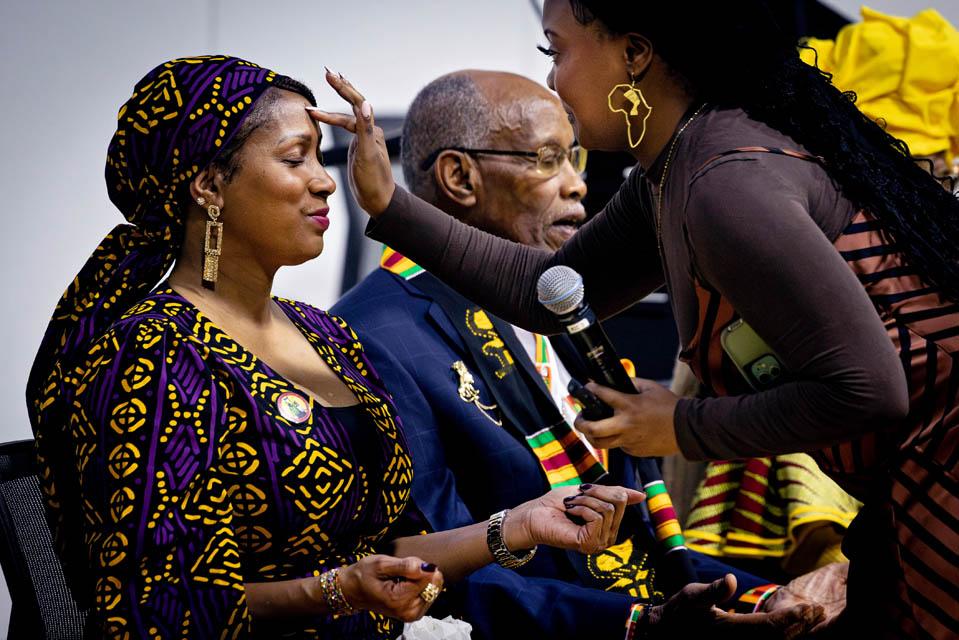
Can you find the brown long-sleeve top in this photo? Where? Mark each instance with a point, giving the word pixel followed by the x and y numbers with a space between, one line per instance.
pixel 757 227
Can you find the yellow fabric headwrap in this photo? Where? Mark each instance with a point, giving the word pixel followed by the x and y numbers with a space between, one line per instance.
pixel 904 71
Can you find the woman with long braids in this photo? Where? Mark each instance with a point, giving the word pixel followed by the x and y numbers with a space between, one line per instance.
pixel 762 195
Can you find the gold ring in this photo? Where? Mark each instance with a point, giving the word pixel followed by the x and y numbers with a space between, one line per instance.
pixel 430 593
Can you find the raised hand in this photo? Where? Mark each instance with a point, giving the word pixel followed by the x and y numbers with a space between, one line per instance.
pixel 693 612
pixel 390 586
pixel 370 173
pixel 597 512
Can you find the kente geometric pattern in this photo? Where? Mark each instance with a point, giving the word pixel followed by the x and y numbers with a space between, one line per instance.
pixel 191 482
pixel 180 116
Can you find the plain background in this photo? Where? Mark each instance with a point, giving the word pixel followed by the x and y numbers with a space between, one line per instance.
pixel 68 65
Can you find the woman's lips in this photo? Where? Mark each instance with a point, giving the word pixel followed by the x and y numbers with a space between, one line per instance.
pixel 320 219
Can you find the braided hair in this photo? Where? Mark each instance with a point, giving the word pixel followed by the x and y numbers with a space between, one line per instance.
pixel 733 54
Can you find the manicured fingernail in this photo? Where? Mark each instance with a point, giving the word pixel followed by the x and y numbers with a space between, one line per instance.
pixel 429 567
pixel 366 109
pixel 585 487
pixel 341 75
pixel 314 109
pixel 328 70
pixel 569 499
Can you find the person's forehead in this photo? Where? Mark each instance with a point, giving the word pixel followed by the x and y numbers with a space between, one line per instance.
pixel 533 120
pixel 287 117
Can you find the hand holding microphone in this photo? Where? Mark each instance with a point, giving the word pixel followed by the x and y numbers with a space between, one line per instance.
pixel 639 414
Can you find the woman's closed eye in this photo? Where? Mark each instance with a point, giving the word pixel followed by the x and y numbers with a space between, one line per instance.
pixel 549 52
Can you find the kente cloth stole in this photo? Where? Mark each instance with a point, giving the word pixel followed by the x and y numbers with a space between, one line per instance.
pixel 554 446
pixel 563 456
pixel 525 404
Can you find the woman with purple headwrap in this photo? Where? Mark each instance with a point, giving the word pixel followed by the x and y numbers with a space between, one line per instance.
pixel 218 462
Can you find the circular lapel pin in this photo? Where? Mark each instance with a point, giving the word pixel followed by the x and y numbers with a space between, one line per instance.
pixel 293 407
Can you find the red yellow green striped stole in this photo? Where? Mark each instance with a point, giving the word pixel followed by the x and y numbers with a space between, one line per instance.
pixel 543 363
pixel 564 456
pixel 394 262
pixel 661 512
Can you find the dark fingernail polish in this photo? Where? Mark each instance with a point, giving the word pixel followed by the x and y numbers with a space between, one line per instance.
pixel 569 499
pixel 429 567
pixel 585 487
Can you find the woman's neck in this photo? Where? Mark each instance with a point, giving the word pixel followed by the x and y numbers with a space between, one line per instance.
pixel 243 288
pixel 658 136
pixel 667 116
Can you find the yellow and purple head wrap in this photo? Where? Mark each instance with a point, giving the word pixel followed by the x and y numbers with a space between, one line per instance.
pixel 904 71
pixel 181 116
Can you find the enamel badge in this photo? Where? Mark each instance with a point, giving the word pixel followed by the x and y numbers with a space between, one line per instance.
pixel 293 407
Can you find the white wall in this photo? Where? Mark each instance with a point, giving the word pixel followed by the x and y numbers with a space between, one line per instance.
pixel 69 64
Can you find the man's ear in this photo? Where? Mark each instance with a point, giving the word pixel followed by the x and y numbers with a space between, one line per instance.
pixel 207 186
pixel 638 55
pixel 457 177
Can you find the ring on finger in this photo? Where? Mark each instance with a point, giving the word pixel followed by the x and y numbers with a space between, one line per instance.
pixel 430 593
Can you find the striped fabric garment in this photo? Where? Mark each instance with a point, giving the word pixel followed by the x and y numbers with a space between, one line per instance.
pixel 663 515
pixel 904 571
pixel 564 456
pixel 395 262
pixel 757 507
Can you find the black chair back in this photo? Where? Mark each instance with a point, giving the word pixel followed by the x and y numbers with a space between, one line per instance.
pixel 43 607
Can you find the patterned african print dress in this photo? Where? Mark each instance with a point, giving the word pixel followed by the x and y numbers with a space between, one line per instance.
pixel 903 545
pixel 189 467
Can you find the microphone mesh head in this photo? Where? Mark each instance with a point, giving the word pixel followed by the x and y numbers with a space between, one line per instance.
pixel 560 289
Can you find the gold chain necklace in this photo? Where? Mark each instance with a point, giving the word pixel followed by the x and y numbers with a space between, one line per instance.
pixel 662 180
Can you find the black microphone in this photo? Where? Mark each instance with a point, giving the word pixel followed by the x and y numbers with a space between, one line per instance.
pixel 560 289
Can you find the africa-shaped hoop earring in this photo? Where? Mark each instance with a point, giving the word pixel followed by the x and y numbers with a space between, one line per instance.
pixel 632 104
pixel 212 244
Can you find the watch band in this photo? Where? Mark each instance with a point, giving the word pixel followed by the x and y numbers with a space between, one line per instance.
pixel 494 540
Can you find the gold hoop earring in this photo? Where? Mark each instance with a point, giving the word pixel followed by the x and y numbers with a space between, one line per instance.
pixel 212 244
pixel 632 104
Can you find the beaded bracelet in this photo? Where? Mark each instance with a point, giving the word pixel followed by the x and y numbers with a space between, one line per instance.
pixel 753 600
pixel 638 617
pixel 333 594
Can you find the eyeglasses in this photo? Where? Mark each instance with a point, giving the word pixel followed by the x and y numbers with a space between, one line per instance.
pixel 549 158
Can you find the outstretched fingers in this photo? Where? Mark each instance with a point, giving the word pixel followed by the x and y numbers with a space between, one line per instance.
pixel 342 120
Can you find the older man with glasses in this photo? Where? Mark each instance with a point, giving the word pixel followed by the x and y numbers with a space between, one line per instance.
pixel 484 404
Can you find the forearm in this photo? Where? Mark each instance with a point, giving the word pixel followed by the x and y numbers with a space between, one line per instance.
pixel 286 598
pixel 460 552
pixel 801 416
pixel 615 253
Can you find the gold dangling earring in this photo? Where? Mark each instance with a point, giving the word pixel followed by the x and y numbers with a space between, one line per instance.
pixel 636 107
pixel 212 243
